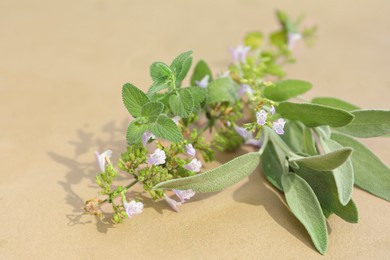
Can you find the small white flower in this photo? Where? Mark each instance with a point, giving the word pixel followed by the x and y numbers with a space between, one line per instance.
pixel 157 158
pixel 133 207
pixel 194 165
pixel 176 119
pixel 278 126
pixel 190 150
pixel 292 38
pixel 102 159
pixel 239 53
pixel 248 136
pixel 261 117
pixel 245 89
pixel 146 137
pixel 173 203
pixel 184 194
pixel 272 110
pixel 204 82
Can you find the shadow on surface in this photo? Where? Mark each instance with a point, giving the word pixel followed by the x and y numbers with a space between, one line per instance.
pixel 257 191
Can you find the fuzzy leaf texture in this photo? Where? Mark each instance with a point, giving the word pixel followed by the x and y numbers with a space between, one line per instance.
pixel 371 174
pixel 152 110
pixel 305 206
pixel 222 89
pixel 134 132
pixel 182 103
pixel 200 71
pixel 334 102
pixel 199 95
pixel 313 115
pixel 181 65
pixel 216 179
pixel 133 99
pixel 368 123
pixel 286 89
pixel 159 71
pixel 165 128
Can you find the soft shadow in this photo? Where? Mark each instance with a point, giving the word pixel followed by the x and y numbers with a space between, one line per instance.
pixel 257 191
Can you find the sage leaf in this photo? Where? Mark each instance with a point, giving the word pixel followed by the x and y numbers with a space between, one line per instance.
pixel 286 89
pixel 216 179
pixel 152 110
pixel 200 71
pixel 181 65
pixel 325 162
pixel 299 138
pixel 133 99
pixel 134 132
pixel 272 164
pixel 313 115
pixel 181 103
pixel 222 89
pixel 165 128
pixel 309 145
pixel 159 71
pixel 368 123
pixel 324 186
pixel 334 102
pixel 343 175
pixel 305 206
pixel 371 174
pixel 323 131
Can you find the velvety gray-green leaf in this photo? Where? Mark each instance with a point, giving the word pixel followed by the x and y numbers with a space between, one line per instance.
pixel 199 96
pixel 152 110
pixel 305 206
pixel 216 179
pixel 133 99
pixel 200 71
pixel 222 89
pixel 309 145
pixel 182 103
pixel 313 115
pixel 272 164
pixel 371 174
pixel 134 132
pixel 325 162
pixel 334 102
pixel 156 87
pixel 343 175
pixel 165 128
pixel 368 123
pixel 181 64
pixel 324 186
pixel 323 131
pixel 286 89
pixel 159 71
pixel 298 137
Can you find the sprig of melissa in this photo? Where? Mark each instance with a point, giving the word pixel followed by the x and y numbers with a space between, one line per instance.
pixel 307 150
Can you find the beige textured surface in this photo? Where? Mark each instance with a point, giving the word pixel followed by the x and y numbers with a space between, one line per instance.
pixel 62 65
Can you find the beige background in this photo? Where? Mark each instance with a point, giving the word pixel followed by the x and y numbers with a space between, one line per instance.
pixel 62 65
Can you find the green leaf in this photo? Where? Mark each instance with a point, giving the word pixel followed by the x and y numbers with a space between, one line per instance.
pixel 324 186
pixel 306 208
pixel 343 175
pixel 334 102
pixel 216 179
pixel 222 89
pixel 182 103
pixel 165 128
pixel 152 110
pixel 134 99
pixel 299 138
pixel 254 40
pixel 278 38
pixel 159 71
pixel 323 131
pixel 181 65
pixel 371 174
pixel 314 115
pixel 199 95
pixel 324 162
pixel 134 132
pixel 368 123
pixel 272 164
pixel 286 89
pixel 201 70
pixel 158 86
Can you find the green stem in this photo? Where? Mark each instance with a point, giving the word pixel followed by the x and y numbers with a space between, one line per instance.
pixel 110 198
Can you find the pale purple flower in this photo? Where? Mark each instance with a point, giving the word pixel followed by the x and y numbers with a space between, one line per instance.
pixel 239 53
pixel 278 126
pixel 204 82
pixel 292 38
pixel 176 119
pixel 194 165
pixel 146 137
pixel 245 89
pixel 261 117
pixel 102 159
pixel 133 207
pixel 224 75
pixel 248 136
pixel 173 203
pixel 272 110
pixel 157 158
pixel 184 194
pixel 190 150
